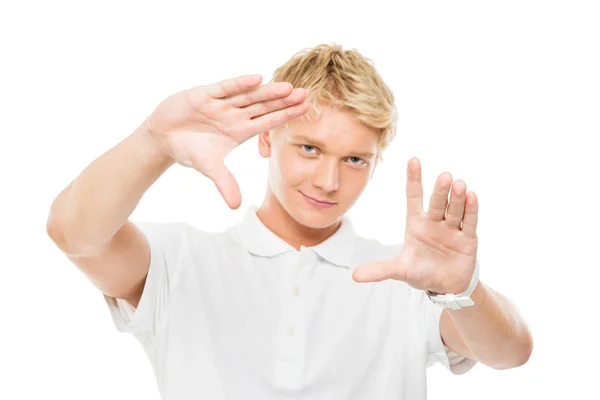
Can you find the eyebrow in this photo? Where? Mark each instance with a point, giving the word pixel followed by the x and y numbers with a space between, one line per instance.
pixel 322 145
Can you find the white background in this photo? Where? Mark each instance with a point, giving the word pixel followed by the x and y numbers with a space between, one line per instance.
pixel 505 95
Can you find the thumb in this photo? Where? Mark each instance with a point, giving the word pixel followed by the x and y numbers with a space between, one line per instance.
pixel 227 186
pixel 376 271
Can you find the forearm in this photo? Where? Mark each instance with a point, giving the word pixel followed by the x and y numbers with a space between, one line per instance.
pixel 94 206
pixel 493 330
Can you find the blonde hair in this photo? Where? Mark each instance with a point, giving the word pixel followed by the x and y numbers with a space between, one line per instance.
pixel 343 78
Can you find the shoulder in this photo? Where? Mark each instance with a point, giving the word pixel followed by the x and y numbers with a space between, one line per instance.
pixel 179 237
pixel 175 231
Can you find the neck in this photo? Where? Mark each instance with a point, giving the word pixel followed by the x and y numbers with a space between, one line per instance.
pixel 272 214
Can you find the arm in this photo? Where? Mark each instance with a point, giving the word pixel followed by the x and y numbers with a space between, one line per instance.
pixel 89 222
pixel 491 331
pixel 196 128
pixel 439 254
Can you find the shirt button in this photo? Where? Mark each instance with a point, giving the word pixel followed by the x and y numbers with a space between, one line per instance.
pixel 296 291
pixel 290 331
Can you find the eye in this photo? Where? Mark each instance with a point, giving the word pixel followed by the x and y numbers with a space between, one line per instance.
pixel 308 148
pixel 356 161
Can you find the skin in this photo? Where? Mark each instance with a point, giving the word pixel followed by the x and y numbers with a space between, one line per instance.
pixel 331 159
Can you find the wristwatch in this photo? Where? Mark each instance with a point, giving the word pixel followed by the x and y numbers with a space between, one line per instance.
pixel 456 301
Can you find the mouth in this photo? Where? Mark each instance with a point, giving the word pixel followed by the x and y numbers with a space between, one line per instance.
pixel 318 202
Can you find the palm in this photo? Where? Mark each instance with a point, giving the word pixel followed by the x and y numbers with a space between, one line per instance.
pixel 435 253
pixel 200 126
pixel 199 148
pixel 440 246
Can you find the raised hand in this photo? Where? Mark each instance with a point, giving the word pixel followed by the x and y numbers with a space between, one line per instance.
pixel 198 127
pixel 440 247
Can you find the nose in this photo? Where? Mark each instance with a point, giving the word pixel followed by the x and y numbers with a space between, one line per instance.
pixel 327 175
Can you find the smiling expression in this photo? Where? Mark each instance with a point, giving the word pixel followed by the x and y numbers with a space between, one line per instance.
pixel 317 170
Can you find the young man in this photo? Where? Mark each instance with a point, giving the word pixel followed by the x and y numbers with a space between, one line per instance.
pixel 291 303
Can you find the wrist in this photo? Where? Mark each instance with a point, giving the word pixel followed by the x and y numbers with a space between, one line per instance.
pixel 152 146
pixel 457 301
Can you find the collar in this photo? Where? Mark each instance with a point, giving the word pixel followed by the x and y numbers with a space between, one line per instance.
pixel 259 240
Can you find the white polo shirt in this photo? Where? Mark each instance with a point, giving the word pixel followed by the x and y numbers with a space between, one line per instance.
pixel 241 314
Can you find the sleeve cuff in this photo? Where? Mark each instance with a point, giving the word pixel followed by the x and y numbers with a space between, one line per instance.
pixel 127 318
pixel 439 352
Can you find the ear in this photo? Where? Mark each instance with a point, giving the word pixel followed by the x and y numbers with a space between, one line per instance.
pixel 264 144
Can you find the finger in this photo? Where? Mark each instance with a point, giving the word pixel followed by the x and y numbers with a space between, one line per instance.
pixel 376 272
pixel 227 186
pixel 254 110
pixel 439 198
pixel 414 188
pixel 233 86
pixel 469 223
pixel 456 209
pixel 261 93
pixel 274 119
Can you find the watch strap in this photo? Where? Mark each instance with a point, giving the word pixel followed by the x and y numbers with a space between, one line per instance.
pixel 457 301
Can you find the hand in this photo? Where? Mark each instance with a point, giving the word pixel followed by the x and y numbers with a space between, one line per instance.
pixel 440 247
pixel 198 127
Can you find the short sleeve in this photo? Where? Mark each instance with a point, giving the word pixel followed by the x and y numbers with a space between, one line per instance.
pixel 437 351
pixel 165 242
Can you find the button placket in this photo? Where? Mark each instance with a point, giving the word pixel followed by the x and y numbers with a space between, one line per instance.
pixel 288 343
pixel 291 333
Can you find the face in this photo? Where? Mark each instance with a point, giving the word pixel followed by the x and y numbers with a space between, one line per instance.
pixel 318 170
